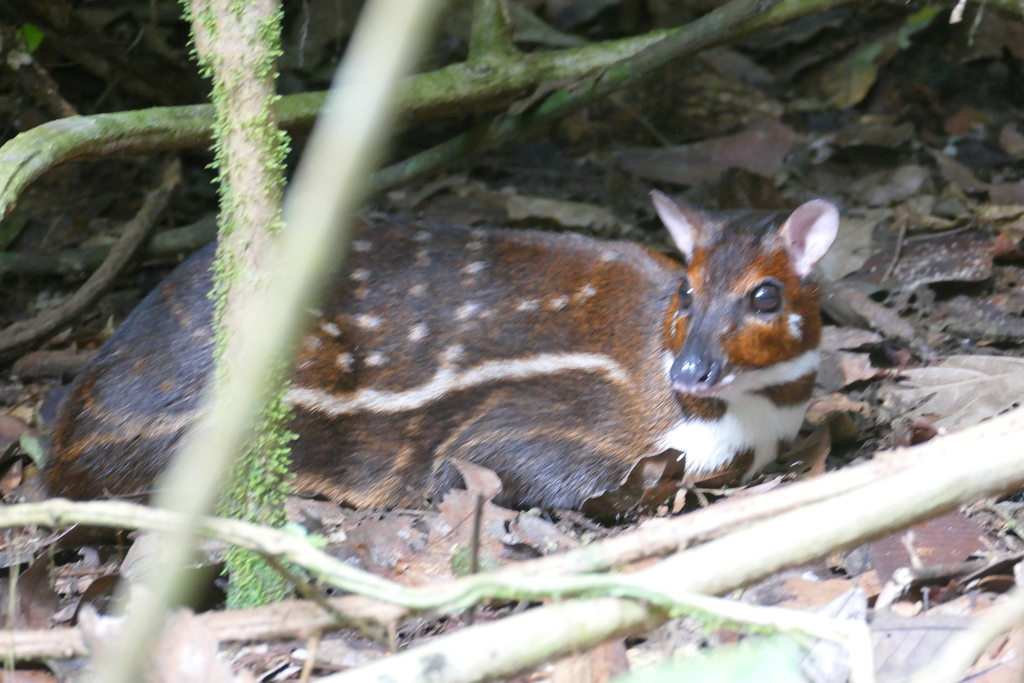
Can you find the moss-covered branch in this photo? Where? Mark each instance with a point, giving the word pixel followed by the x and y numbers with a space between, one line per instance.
pixel 927 480
pixel 467 87
pixel 491 32
pixel 237 45
pixel 475 86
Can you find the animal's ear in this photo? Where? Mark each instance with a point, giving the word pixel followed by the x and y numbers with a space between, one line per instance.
pixel 684 223
pixel 809 232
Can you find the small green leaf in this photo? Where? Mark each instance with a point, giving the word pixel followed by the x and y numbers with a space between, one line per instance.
pixel 34 448
pixel 462 561
pixel 32 35
pixel 296 529
pixel 918 21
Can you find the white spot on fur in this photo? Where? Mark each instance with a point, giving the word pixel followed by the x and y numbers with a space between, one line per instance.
pixel 528 305
pixel 368 322
pixel 474 268
pixel 418 290
pixel 467 310
pixel 331 329
pixel 668 359
pixel 474 245
pixel 795 325
pixel 314 342
pixel 588 290
pixel 447 380
pixel 609 255
pixel 359 274
pixel 418 332
pixel 422 236
pixel 345 361
pixel 362 245
pixel 423 257
pixel 376 359
pixel 453 353
pixel 558 303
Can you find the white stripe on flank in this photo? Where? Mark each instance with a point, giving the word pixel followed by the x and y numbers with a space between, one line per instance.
pixel 447 380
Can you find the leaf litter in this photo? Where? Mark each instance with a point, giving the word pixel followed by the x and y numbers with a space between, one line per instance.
pixel 912 165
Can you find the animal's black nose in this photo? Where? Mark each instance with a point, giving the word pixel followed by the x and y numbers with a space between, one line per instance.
pixel 695 368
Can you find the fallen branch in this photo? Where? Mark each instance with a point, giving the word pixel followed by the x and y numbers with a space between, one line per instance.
pixel 879 507
pixel 457 89
pixel 164 244
pixel 942 480
pixel 282 620
pixel 20 335
pixel 926 480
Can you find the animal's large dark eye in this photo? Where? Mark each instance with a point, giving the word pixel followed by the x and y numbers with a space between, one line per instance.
pixel 766 298
pixel 685 294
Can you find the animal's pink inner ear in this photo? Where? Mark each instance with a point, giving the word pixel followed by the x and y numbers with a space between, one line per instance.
pixel 809 232
pixel 684 225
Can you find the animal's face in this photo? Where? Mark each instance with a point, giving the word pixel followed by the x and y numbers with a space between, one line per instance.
pixel 744 317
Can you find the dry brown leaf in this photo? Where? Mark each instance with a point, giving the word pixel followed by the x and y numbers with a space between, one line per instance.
pixel 599 665
pixel 807 455
pixel 761 149
pixel 1011 141
pixel 835 338
pixel 905 645
pixel 807 594
pixel 1006 193
pixel 823 406
pixel 563 213
pixel 891 186
pixel 853 244
pixel 999 212
pixel 187 652
pixel 1001 662
pixel 949 539
pixel 857 367
pixel 955 172
pixel 541 534
pixel 962 391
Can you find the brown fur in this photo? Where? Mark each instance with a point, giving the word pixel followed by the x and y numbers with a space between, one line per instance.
pixel 792 393
pixel 406 311
pixel 402 370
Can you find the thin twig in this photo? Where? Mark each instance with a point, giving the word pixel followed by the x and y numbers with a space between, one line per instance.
pixel 721 25
pixel 75 262
pixel 311 593
pixel 282 620
pixel 312 650
pixel 474 547
pixel 23 334
pixel 903 220
pixel 456 89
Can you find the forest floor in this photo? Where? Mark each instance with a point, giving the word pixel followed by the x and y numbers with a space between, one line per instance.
pixel 921 146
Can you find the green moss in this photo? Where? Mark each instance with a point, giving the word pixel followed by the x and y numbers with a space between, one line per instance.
pixel 259 481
